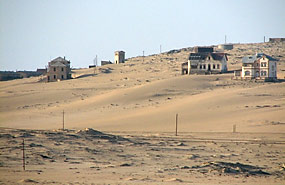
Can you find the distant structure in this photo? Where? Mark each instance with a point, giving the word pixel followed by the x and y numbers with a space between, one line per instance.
pixel 58 69
pixel 105 62
pixel 259 66
pixel 226 46
pixel 276 39
pixel 119 57
pixel 205 61
pixel 11 75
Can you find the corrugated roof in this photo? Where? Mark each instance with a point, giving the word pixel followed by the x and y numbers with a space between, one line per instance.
pixel 203 56
pixel 251 59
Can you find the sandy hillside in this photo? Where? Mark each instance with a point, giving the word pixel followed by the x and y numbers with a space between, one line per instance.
pixel 144 94
pixel 134 105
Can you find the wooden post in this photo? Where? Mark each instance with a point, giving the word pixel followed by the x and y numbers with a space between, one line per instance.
pixel 24 167
pixel 234 128
pixel 63 120
pixel 176 121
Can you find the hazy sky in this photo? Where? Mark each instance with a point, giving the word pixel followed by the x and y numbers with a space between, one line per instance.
pixel 34 31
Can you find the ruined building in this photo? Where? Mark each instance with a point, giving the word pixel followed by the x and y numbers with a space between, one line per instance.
pixel 119 57
pixel 58 69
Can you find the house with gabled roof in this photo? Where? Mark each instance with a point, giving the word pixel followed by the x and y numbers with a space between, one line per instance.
pixel 58 69
pixel 205 61
pixel 259 66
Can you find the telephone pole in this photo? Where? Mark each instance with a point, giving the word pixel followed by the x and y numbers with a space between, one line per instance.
pixel 95 64
pixel 176 125
pixel 24 163
pixel 63 120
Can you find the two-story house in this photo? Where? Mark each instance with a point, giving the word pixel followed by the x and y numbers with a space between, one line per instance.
pixel 58 69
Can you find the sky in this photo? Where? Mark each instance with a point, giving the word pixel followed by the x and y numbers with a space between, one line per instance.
pixel 33 32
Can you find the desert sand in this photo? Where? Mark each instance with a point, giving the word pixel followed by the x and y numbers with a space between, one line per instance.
pixel 134 104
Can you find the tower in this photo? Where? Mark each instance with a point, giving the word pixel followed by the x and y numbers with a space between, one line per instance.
pixel 119 57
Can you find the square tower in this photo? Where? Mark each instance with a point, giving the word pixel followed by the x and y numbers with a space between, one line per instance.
pixel 119 57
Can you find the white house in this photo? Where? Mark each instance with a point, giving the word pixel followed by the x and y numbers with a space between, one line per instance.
pixel 259 66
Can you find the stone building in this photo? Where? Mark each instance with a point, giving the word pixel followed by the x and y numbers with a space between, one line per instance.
pixel 119 57
pixel 276 39
pixel 226 46
pixel 259 66
pixel 205 61
pixel 105 62
pixel 58 69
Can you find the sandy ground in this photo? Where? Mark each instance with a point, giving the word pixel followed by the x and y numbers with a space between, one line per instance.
pixel 92 157
pixel 144 95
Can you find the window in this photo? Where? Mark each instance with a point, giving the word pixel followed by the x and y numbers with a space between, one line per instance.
pixel 193 66
pixel 214 66
pixel 54 76
pixel 62 77
pixel 272 66
pixel 218 66
pixel 263 73
pixel 209 58
pixel 54 69
pixel 263 64
pixel 200 66
pixel 257 64
pixel 247 73
pixel 204 66
pixel 62 69
pixel 48 78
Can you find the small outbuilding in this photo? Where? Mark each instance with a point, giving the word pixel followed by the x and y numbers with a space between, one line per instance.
pixel 226 46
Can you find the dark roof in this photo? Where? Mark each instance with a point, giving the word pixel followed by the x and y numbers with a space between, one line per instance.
pixel 251 59
pixel 203 56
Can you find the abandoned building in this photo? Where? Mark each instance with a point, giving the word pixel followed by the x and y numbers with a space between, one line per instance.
pixel 105 62
pixel 276 39
pixel 58 69
pixel 226 46
pixel 205 61
pixel 119 57
pixel 259 66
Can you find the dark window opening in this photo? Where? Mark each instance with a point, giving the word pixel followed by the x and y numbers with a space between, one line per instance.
pixel 62 69
pixel 62 77
pixel 218 66
pixel 214 66
pixel 54 76
pixel 54 69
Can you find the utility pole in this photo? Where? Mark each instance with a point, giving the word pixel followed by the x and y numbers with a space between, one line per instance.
pixel 63 120
pixel 264 39
pixel 234 128
pixel 24 167
pixel 95 64
pixel 176 124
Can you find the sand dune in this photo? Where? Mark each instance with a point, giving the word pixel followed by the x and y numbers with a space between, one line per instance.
pixel 136 103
